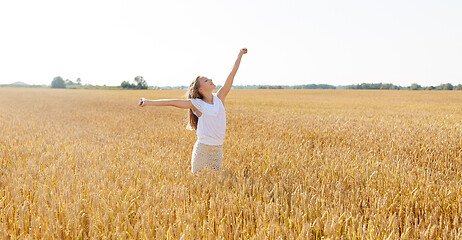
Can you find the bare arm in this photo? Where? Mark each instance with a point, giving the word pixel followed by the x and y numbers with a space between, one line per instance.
pixel 179 103
pixel 224 90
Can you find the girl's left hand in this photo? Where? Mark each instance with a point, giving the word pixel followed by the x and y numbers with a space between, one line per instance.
pixel 244 50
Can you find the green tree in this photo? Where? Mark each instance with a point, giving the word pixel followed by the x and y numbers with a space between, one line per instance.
pixel 68 82
pixel 445 86
pixel 126 84
pixel 415 86
pixel 448 86
pixel 79 82
pixel 58 82
pixel 141 83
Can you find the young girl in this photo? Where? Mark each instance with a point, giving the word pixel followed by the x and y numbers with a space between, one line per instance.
pixel 206 115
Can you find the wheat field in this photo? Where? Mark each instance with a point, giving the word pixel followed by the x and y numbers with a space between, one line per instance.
pixel 298 164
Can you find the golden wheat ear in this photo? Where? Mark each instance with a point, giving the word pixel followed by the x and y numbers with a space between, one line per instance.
pixel 299 164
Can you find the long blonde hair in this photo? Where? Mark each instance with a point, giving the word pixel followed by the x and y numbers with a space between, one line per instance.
pixel 193 92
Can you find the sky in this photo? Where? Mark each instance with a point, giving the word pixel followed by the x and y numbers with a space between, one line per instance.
pixel 169 43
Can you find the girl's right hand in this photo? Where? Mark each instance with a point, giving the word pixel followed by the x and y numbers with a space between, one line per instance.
pixel 244 51
pixel 142 101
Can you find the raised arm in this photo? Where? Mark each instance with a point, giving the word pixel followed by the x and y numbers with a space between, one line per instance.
pixel 224 90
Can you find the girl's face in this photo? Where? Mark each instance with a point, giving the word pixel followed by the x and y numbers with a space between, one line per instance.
pixel 206 85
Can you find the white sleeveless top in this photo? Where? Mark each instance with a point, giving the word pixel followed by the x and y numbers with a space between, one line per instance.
pixel 211 126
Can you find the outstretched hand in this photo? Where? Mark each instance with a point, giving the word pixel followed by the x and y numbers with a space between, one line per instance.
pixel 142 101
pixel 243 51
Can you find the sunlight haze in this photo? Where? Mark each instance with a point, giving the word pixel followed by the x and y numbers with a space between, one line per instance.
pixel 169 43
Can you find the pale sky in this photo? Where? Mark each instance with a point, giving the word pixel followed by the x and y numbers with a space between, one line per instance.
pixel 170 42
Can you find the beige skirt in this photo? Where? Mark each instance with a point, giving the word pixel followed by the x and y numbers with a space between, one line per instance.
pixel 204 155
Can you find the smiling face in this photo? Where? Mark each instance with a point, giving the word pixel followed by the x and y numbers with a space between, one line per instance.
pixel 206 85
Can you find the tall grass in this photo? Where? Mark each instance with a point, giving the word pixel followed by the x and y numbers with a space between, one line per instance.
pixel 298 164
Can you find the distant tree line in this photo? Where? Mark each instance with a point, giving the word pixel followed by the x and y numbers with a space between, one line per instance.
pixel 140 83
pixel 387 86
pixel 314 86
pixel 379 86
pixel 414 86
pixel 59 82
pixel 444 86
pixel 306 86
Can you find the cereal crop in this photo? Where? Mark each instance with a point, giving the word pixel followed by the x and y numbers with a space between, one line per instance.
pixel 298 164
